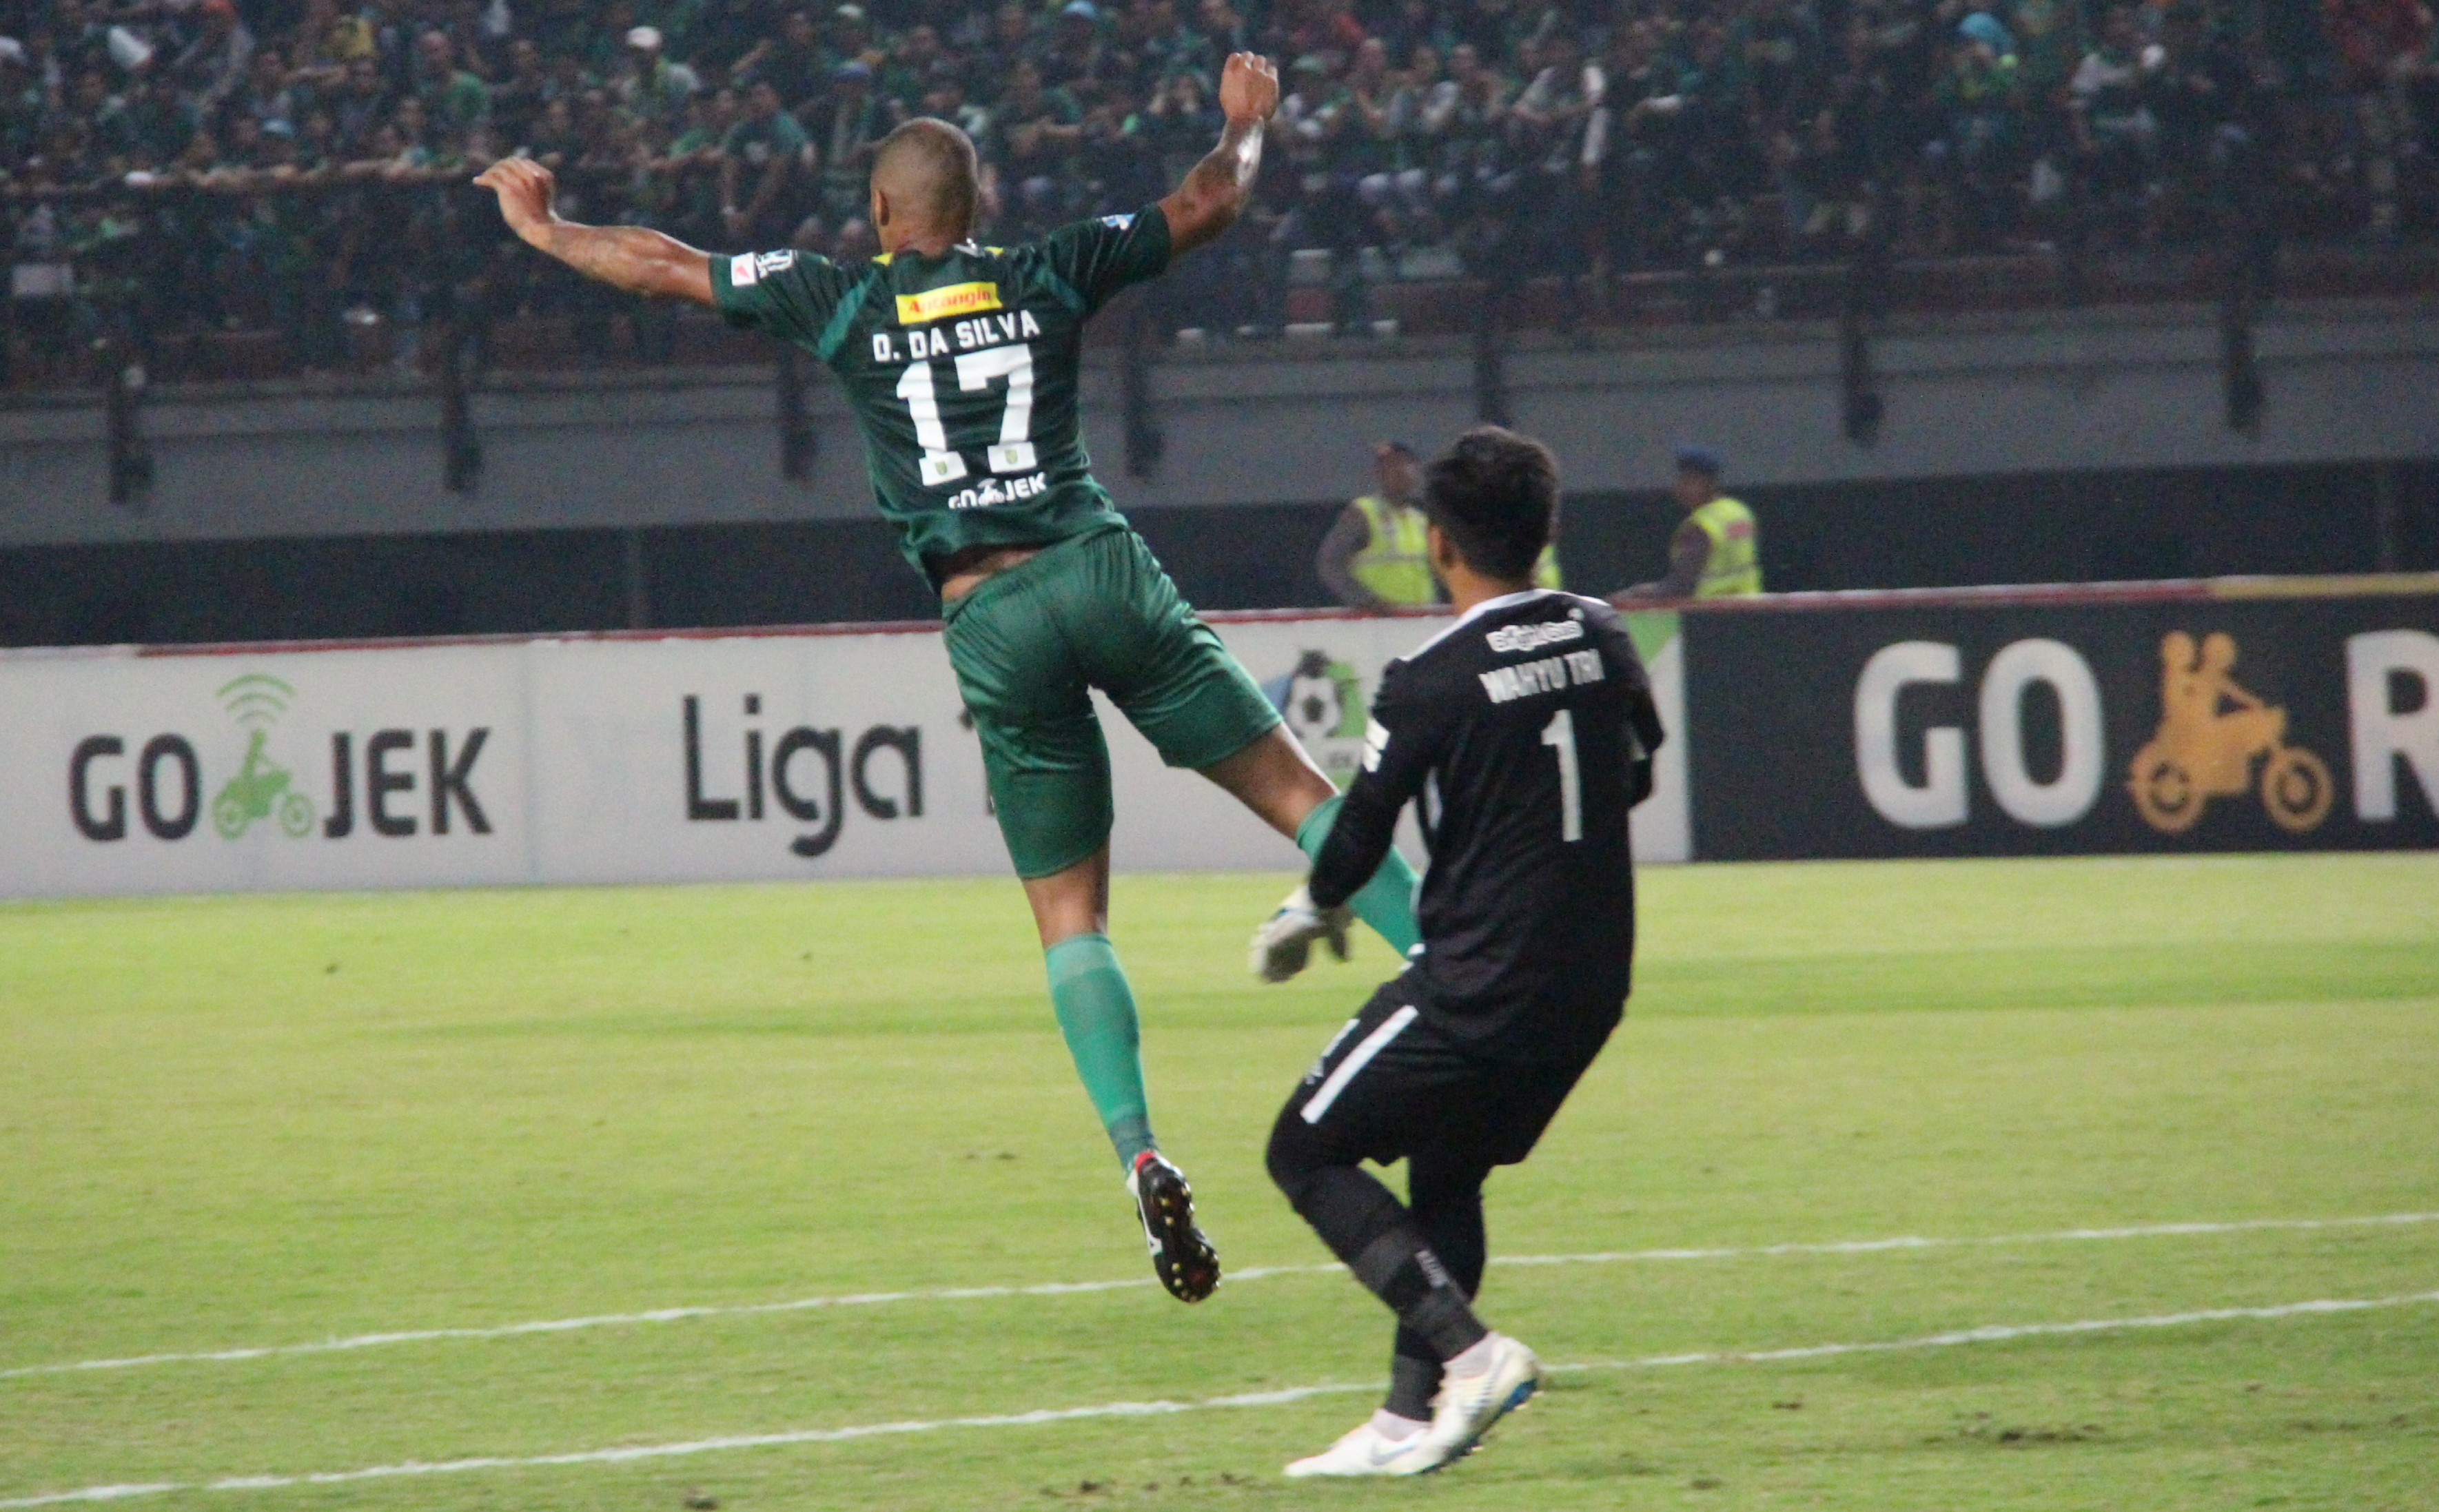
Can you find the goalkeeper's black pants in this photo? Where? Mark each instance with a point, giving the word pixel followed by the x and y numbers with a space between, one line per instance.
pixel 1391 1086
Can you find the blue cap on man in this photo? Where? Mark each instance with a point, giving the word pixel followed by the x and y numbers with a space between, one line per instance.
pixel 1985 28
pixel 1695 458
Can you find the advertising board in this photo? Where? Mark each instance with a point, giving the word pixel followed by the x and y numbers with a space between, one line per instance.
pixel 2167 718
pixel 614 759
pixel 2229 717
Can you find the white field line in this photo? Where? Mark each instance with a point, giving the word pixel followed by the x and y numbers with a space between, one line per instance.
pixel 1992 1333
pixel 1055 1289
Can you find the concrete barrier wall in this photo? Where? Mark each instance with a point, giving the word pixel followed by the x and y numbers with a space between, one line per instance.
pixel 2058 392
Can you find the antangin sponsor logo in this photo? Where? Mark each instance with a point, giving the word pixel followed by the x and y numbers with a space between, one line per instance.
pixel 951 299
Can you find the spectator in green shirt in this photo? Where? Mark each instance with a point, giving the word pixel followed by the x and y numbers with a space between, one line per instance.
pixel 693 166
pixel 850 125
pixel 1037 131
pixel 906 78
pixel 758 178
pixel 795 62
pixel 679 22
pixel 452 99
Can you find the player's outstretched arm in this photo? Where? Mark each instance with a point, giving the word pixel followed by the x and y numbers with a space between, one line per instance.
pixel 1215 191
pixel 632 258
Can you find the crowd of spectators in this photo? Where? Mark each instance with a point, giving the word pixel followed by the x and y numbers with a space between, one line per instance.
pixel 300 165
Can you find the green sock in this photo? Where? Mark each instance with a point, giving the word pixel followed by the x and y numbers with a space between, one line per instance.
pixel 1387 901
pixel 1097 1013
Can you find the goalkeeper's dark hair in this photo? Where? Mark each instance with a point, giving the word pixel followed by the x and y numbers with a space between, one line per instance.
pixel 1495 495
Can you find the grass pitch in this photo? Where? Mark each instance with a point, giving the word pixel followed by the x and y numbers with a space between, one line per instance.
pixel 270 1121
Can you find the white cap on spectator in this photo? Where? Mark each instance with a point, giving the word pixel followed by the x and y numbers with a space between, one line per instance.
pixel 645 39
pixel 12 51
pixel 128 51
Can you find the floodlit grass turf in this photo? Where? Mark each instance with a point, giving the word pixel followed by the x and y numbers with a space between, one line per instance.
pixel 263 1121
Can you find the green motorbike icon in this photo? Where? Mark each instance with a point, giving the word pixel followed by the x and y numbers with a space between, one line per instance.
pixel 260 790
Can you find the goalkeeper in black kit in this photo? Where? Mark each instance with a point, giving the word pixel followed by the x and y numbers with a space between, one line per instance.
pixel 1524 733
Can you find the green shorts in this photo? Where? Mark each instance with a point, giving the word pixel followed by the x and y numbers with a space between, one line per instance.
pixel 1028 645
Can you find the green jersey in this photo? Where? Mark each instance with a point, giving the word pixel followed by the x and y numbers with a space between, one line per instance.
pixel 962 370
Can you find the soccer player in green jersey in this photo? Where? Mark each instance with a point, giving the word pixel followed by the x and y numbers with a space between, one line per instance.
pixel 961 361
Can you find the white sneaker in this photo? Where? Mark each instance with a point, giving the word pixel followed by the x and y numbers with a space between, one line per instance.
pixel 1365 1452
pixel 1467 1405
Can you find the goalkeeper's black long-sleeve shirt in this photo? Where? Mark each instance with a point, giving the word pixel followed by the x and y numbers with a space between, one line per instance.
pixel 1524 731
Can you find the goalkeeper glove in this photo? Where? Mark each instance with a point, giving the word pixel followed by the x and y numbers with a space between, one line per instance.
pixel 1284 942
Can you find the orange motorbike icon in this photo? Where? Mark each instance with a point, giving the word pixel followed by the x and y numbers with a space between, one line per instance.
pixel 2210 731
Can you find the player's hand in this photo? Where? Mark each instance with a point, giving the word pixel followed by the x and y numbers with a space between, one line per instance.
pixel 1249 88
pixel 526 190
pixel 1283 943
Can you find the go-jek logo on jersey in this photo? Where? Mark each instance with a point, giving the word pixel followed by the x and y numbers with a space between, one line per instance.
pixel 993 491
pixel 1511 638
pixel 1322 703
pixel 747 269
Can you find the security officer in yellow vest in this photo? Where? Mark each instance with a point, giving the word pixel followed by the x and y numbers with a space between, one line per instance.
pixel 1375 556
pixel 1716 552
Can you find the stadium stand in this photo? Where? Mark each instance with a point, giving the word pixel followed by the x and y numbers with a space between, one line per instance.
pixel 252 190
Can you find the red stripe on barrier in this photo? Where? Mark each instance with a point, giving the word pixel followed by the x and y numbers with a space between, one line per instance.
pixel 881 627
pixel 2008 596
pixel 1994 597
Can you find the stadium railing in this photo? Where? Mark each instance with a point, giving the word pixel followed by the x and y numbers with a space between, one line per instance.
pixel 231 278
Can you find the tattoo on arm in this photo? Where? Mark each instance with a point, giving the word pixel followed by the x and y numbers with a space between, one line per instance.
pixel 1215 188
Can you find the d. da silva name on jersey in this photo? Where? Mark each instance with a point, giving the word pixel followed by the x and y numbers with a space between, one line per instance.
pixel 965 336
